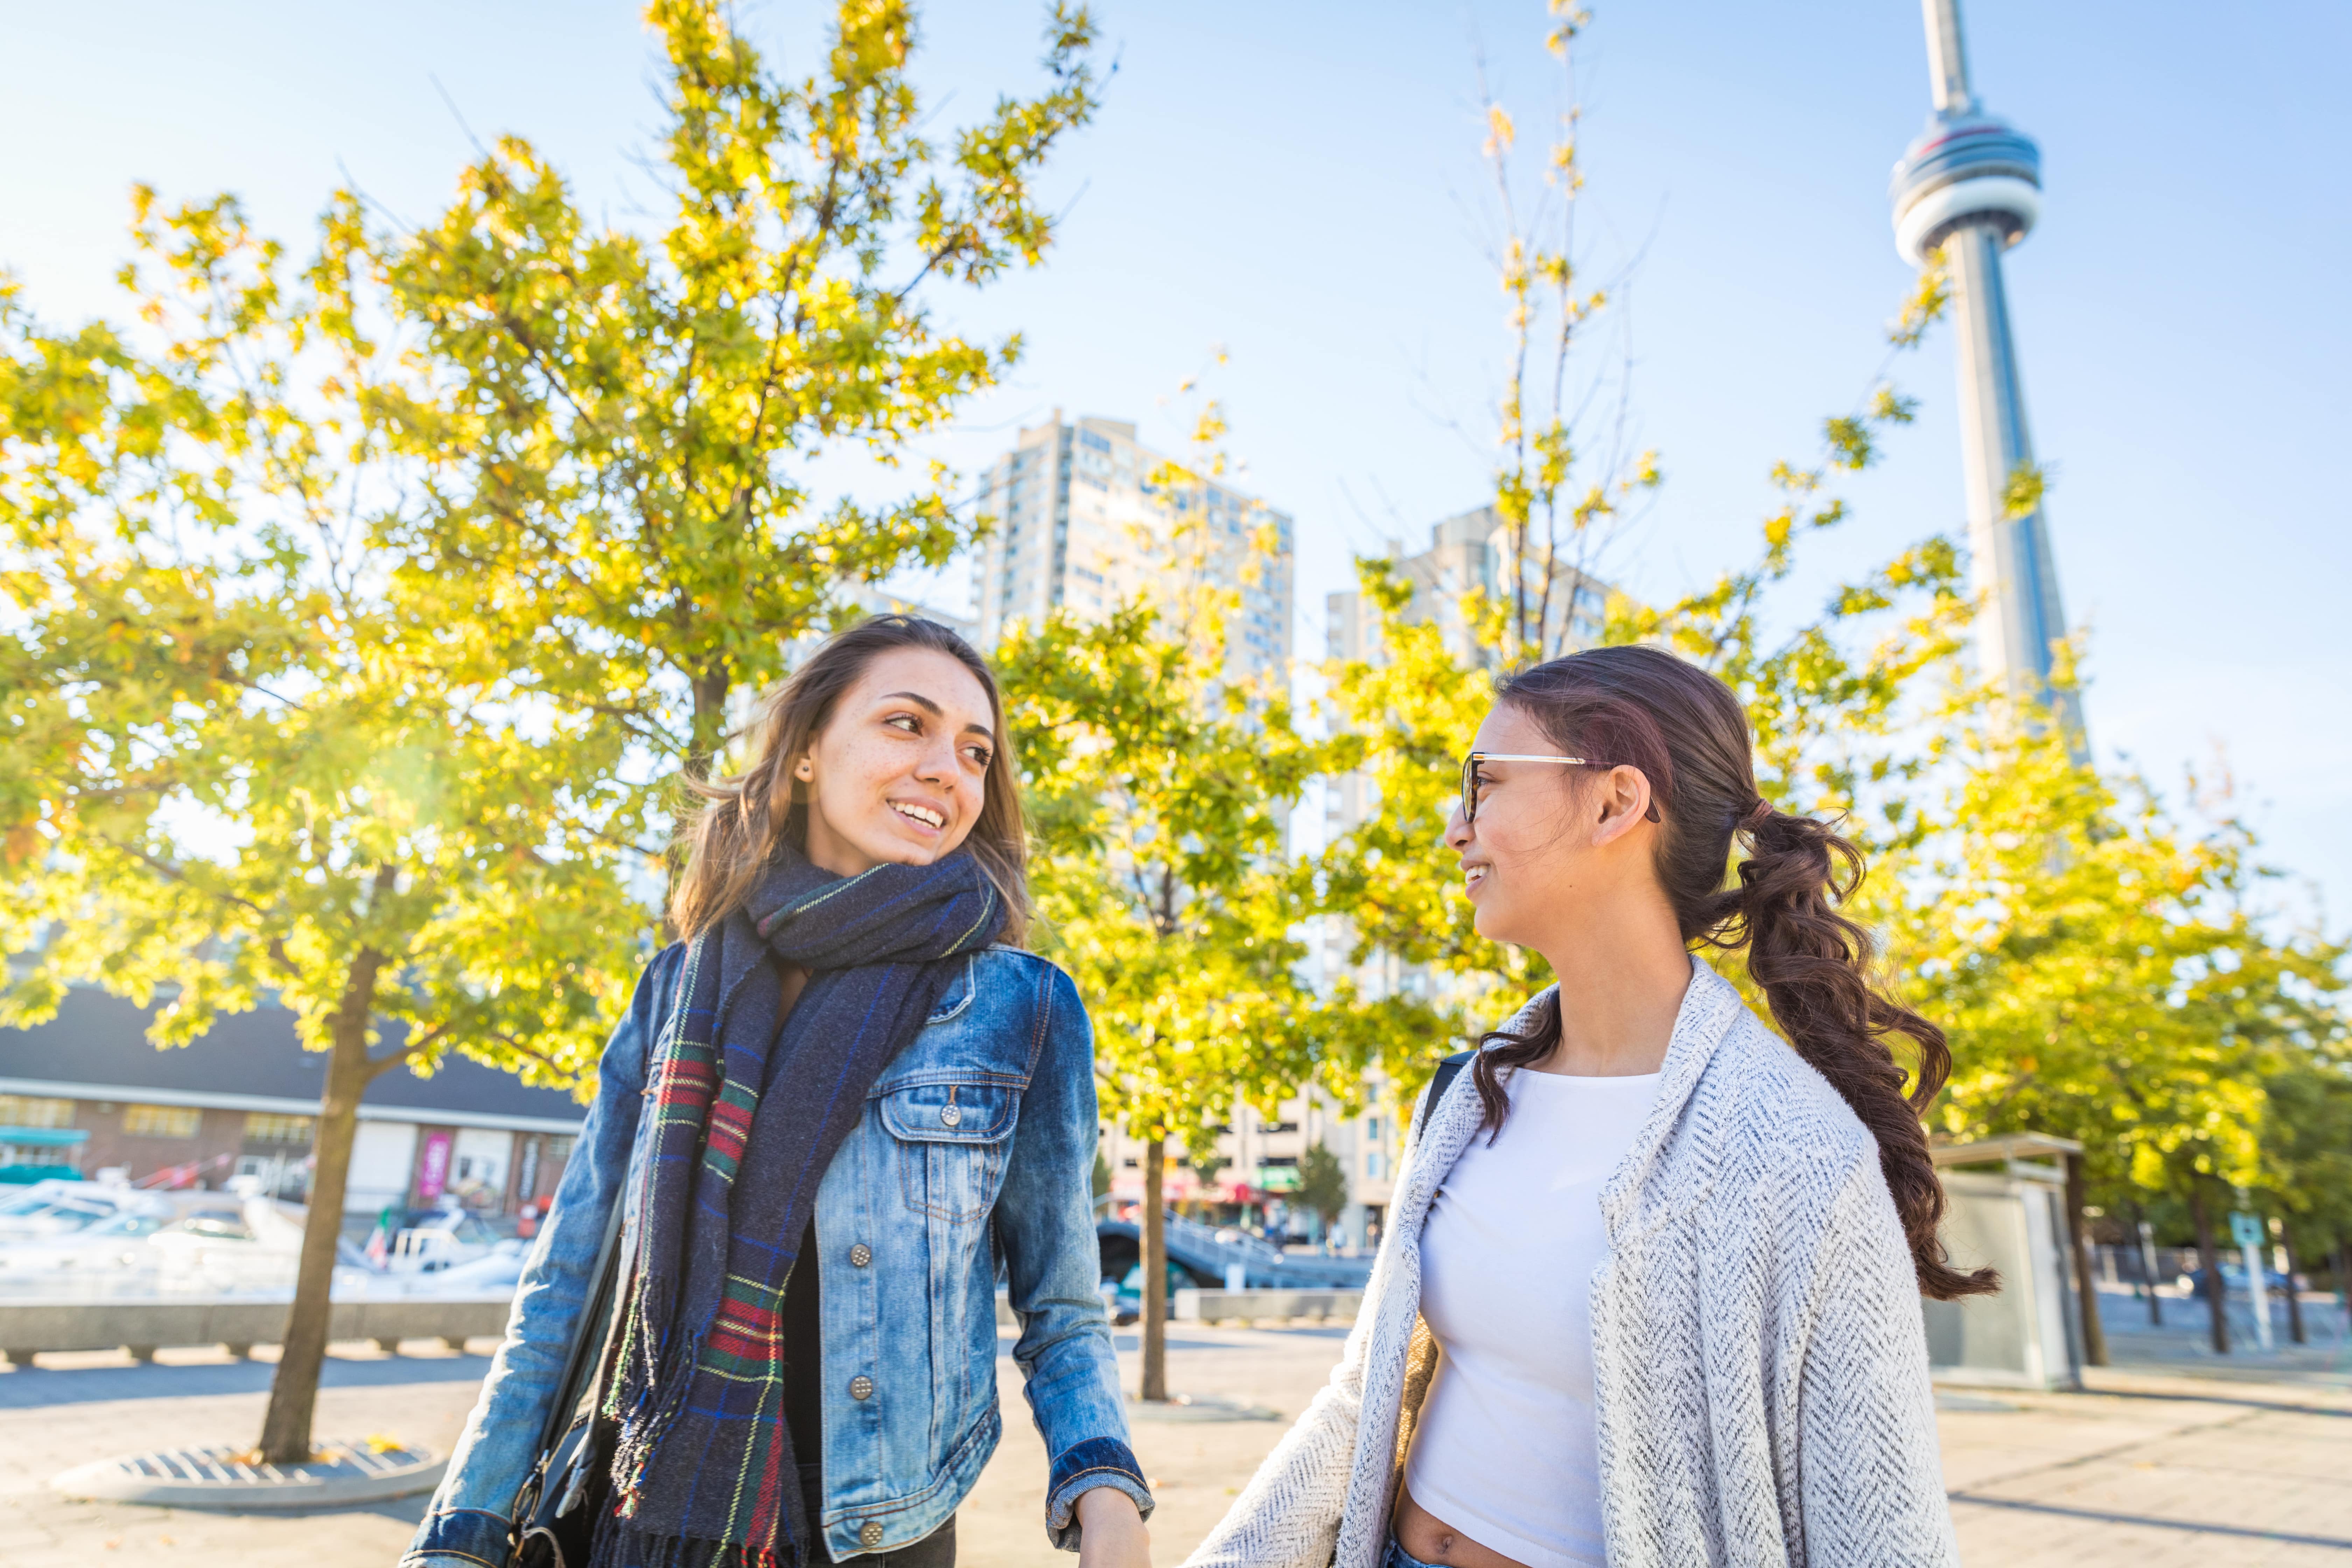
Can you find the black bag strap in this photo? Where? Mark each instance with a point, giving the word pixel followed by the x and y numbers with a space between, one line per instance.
pixel 1447 1072
pixel 588 1334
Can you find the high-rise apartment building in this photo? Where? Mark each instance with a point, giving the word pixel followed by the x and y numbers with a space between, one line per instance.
pixel 1084 521
pixel 1465 552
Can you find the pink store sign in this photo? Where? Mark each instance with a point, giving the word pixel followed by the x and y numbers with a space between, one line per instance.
pixel 433 1167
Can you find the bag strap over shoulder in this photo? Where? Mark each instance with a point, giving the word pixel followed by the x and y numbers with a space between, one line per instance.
pixel 1447 1072
pixel 589 1336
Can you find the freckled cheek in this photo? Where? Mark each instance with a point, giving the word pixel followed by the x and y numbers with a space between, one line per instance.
pixel 870 770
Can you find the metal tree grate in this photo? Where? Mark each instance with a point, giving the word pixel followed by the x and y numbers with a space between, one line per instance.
pixel 225 1465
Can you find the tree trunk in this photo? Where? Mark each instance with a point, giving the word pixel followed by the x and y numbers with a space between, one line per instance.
pixel 2209 1256
pixel 2293 1297
pixel 294 1392
pixel 2086 1288
pixel 1155 1273
pixel 708 736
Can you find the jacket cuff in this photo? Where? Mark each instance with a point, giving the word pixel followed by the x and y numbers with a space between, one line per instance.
pixel 1097 1462
pixel 460 1538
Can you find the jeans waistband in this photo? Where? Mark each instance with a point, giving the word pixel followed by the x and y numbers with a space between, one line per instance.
pixel 1397 1557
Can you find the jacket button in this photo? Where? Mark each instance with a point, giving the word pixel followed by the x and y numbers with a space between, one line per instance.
pixel 869 1535
pixel 862 1387
pixel 860 1256
pixel 951 1114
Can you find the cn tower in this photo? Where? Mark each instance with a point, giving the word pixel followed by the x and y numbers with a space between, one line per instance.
pixel 1972 186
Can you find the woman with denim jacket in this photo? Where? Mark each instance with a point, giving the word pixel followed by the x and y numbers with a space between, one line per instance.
pixel 830 1115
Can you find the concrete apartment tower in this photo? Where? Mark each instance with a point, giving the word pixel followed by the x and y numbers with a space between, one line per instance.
pixel 1972 185
pixel 1081 525
pixel 1465 552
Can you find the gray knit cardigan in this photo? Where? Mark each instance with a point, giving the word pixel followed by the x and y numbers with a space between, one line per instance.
pixel 1759 1367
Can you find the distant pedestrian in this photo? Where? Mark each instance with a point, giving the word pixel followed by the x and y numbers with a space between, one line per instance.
pixel 1649 1294
pixel 831 1114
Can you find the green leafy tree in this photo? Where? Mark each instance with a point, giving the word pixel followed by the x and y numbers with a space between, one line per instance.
pixel 1837 703
pixel 224 780
pixel 1161 779
pixel 1564 479
pixel 1322 1184
pixel 360 628
pixel 1206 1164
pixel 1161 794
pixel 2306 1165
pixel 1836 692
pixel 617 433
pixel 2106 971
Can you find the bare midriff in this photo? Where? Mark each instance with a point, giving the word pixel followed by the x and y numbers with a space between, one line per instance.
pixel 1429 1538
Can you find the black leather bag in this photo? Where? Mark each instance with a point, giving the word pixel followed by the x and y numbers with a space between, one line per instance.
pixel 555 1513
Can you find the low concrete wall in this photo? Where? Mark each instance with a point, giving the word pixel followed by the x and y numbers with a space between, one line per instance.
pixel 1264 1306
pixel 143 1327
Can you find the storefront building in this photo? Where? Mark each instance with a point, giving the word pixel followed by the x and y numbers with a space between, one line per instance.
pixel 1251 1178
pixel 86 1092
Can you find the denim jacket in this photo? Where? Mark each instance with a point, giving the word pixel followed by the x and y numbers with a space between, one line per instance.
pixel 931 1205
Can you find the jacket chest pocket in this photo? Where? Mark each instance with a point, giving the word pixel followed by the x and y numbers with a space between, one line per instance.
pixel 950 1141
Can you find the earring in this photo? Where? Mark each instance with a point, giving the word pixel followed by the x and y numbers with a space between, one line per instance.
pixel 802 772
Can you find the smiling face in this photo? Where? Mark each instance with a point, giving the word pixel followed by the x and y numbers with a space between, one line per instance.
pixel 1520 857
pixel 1550 840
pixel 898 775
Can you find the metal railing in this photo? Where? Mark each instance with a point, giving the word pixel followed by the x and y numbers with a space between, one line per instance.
pixel 1239 1245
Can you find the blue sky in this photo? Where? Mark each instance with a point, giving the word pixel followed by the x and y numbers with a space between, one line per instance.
pixel 1300 183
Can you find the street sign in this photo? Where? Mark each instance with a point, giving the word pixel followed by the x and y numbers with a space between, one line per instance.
pixel 2246 1229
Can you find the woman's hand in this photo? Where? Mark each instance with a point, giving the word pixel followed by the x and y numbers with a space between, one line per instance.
pixel 1111 1530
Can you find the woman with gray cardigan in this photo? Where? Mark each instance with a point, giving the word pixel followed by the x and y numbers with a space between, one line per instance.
pixel 1650 1292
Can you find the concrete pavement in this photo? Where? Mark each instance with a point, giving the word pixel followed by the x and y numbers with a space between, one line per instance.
pixel 2163 1462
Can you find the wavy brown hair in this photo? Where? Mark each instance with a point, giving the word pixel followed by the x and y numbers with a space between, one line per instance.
pixel 737 824
pixel 1685 730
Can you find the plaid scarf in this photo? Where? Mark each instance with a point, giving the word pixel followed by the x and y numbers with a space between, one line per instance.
pixel 750 1106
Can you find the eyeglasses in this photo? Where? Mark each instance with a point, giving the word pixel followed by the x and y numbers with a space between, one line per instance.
pixel 1471 781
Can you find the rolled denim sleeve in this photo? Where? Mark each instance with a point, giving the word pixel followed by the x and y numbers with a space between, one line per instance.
pixel 467 1523
pixel 1045 1220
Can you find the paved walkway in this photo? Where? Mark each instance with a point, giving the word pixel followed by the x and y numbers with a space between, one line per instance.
pixel 71 1409
pixel 2165 1462
pixel 2150 1470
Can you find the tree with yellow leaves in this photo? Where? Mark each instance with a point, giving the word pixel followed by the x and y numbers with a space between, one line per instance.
pixel 1160 782
pixel 2107 973
pixel 360 629
pixel 1833 702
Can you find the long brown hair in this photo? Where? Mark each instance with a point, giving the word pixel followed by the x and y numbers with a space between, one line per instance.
pixel 733 832
pixel 1686 731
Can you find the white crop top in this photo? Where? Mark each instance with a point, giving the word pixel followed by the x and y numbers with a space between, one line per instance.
pixel 1505 1452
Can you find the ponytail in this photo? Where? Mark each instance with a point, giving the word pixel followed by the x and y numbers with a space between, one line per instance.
pixel 1685 730
pixel 1812 964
